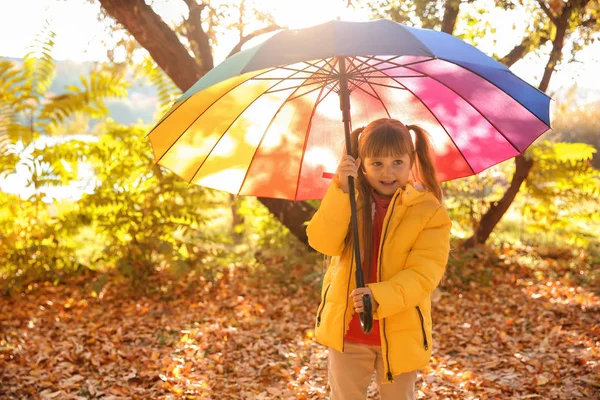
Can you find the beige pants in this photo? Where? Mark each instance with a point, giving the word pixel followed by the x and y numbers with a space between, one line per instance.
pixel 350 374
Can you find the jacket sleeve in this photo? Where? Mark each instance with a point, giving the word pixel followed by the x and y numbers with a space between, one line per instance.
pixel 425 266
pixel 328 227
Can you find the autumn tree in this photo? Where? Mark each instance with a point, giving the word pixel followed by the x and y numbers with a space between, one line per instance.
pixel 575 20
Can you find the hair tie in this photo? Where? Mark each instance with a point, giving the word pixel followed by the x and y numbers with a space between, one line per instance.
pixel 360 132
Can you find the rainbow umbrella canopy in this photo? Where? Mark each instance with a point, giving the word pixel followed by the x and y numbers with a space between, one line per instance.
pixel 267 121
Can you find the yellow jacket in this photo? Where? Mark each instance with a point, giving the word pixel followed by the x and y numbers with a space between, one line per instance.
pixel 413 252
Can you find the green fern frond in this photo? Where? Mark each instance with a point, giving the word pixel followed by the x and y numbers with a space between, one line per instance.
pixel 39 65
pixel 99 86
pixel 10 77
pixel 166 90
pixel 5 117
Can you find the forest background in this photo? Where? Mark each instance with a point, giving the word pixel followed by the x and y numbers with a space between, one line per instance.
pixel 119 279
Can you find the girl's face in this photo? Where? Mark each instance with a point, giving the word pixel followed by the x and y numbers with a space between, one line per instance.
pixel 387 174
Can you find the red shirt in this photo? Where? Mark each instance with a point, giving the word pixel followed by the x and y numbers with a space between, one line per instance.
pixel 355 333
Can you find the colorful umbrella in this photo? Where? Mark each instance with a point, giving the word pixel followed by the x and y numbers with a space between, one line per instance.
pixel 266 122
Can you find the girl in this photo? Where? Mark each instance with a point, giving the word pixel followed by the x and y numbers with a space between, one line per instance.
pixel 405 241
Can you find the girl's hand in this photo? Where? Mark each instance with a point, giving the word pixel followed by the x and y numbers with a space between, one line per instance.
pixel 356 297
pixel 348 167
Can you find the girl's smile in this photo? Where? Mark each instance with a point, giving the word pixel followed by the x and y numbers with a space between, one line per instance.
pixel 387 174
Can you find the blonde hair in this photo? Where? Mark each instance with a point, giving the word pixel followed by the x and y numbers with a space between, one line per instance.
pixel 384 138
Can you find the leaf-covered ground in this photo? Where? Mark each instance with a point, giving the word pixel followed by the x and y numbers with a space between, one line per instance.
pixel 248 335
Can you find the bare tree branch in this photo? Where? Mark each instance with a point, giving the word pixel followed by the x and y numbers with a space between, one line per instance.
pixel 562 31
pixel 152 33
pixel 589 22
pixel 528 44
pixel 198 39
pixel 547 11
pixel 252 35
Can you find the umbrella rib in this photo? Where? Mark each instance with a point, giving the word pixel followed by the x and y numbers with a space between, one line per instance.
pixel 374 91
pixel 287 68
pixel 225 132
pixel 310 91
pixel 379 62
pixel 391 61
pixel 331 80
pixel 319 82
pixel 202 113
pixel 326 61
pixel 382 61
pixel 356 67
pixel 442 125
pixel 396 76
pixel 355 71
pixel 319 98
pixel 331 89
pixel 370 94
pixel 327 73
pixel 322 79
pixel 389 86
pixel 283 78
pixel 382 70
pixel 471 104
pixel 363 67
pixel 263 137
pixel 331 66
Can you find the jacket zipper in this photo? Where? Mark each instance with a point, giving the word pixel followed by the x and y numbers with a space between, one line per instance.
pixel 425 344
pixel 321 310
pixel 390 377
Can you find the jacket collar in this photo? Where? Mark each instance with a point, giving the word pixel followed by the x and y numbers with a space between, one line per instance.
pixel 413 193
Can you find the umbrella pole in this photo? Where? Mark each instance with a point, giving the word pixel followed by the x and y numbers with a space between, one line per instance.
pixel 366 317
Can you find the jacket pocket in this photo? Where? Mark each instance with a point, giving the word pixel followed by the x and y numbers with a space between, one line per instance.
pixel 322 306
pixel 425 344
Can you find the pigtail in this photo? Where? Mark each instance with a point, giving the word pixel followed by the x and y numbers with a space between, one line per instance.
pixel 426 166
pixel 364 213
pixel 354 135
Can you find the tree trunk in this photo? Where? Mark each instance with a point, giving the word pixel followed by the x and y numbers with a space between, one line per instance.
pixel 164 47
pixel 495 213
pixel 291 214
pixel 497 210
pixel 451 9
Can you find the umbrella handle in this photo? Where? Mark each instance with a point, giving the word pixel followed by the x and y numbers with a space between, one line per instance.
pixel 366 317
